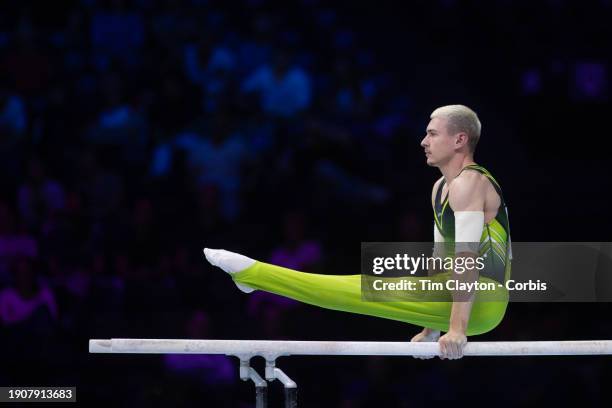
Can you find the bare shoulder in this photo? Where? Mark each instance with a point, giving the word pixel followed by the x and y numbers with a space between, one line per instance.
pixel 467 191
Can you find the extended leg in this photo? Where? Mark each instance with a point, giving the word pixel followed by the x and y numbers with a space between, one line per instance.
pixel 343 292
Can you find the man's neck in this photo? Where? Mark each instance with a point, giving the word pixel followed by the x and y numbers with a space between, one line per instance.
pixel 453 167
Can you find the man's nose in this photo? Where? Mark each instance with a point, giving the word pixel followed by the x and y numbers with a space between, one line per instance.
pixel 423 142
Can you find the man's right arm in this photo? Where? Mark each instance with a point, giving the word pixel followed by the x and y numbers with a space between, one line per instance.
pixel 438 239
pixel 428 334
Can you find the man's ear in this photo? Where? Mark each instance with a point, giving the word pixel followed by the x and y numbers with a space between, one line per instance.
pixel 461 140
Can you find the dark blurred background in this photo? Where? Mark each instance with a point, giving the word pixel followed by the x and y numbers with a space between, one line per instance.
pixel 134 133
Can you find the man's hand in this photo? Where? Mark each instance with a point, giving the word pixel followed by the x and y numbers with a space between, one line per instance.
pixel 451 345
pixel 427 335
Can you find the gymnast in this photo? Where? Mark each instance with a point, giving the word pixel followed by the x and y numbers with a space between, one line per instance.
pixel 469 213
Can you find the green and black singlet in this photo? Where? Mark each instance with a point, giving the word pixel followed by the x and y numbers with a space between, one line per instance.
pixel 495 242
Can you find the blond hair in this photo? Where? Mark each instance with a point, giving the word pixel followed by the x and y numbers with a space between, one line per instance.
pixel 461 119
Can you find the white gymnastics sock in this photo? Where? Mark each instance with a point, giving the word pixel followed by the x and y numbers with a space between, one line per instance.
pixel 230 262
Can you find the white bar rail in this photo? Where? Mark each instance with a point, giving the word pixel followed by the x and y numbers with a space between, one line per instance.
pixel 271 349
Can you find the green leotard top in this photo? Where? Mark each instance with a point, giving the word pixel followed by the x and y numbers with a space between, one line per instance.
pixel 495 243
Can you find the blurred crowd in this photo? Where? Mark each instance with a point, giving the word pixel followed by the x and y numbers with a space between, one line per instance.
pixel 134 133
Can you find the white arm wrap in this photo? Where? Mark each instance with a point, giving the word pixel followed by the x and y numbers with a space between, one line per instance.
pixel 468 230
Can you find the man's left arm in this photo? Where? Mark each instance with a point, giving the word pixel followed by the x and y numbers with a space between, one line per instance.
pixel 466 198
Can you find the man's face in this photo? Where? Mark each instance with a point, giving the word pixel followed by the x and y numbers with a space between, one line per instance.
pixel 439 145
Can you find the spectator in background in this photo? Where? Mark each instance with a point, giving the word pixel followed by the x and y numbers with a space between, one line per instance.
pixel 205 58
pixel 210 65
pixel 28 300
pixel 39 196
pixel 12 243
pixel 13 137
pixel 13 120
pixel 295 252
pixel 26 67
pixel 284 90
pixel 220 161
pixel 206 369
pixel 118 33
pixel 66 234
pixel 209 217
pixel 54 128
pixel 175 105
pixel 102 188
pixel 143 232
pixel 29 322
pixel 255 50
pixel 119 123
pixel 350 94
pixel 216 161
pixel 167 27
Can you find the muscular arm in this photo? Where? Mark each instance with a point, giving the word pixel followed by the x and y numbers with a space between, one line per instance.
pixel 428 334
pixel 466 193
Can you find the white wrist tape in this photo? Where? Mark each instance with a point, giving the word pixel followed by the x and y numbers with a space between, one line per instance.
pixel 468 230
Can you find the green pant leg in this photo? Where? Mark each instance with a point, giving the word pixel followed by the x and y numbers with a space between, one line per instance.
pixel 343 292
